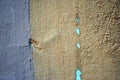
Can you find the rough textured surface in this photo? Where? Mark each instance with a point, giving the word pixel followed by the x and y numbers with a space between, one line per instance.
pixel 53 37
pixel 15 51
pixel 100 39
pixel 54 47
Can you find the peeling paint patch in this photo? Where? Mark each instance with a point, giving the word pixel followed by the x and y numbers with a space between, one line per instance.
pixel 77 20
pixel 77 30
pixel 78 45
pixel 78 74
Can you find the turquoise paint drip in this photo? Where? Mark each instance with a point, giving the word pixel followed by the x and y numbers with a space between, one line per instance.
pixel 77 20
pixel 77 30
pixel 78 45
pixel 78 74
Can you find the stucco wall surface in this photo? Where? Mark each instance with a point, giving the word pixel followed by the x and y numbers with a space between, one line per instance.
pixel 55 55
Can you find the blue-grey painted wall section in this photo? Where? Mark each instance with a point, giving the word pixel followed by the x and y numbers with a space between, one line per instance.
pixel 15 51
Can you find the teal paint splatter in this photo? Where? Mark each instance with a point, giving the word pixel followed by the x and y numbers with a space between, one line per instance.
pixel 77 20
pixel 78 74
pixel 78 45
pixel 77 30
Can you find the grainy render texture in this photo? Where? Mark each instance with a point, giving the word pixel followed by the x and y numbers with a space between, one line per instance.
pixel 15 51
pixel 53 38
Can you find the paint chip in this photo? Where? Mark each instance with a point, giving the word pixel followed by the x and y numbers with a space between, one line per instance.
pixel 77 20
pixel 78 45
pixel 77 30
pixel 78 74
